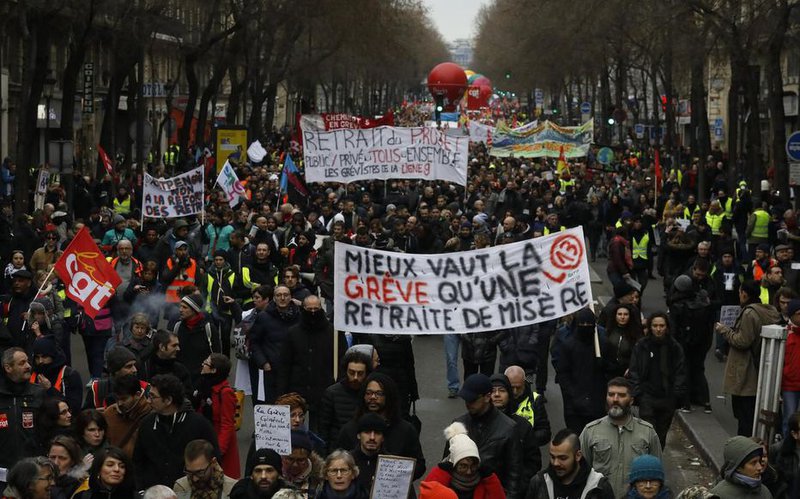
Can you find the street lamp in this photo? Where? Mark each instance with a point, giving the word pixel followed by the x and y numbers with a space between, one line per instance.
pixel 47 90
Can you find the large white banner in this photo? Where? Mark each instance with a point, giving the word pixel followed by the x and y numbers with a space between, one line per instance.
pixel 384 153
pixel 467 292
pixel 173 197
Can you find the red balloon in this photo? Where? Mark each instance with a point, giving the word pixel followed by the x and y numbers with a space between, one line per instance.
pixel 448 79
pixel 486 93
pixel 482 81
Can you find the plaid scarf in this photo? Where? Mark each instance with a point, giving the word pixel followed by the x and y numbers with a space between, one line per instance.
pixel 211 488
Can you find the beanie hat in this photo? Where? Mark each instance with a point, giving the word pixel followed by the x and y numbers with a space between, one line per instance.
pixel 43 345
pixel 763 247
pixel 622 288
pixel 301 440
pixel 193 301
pixel 37 307
pixel 474 386
pixel 646 467
pixel 683 283
pixel 267 457
pixel 222 253
pixel 118 219
pixel 181 244
pixel 435 490
pixel 461 446
pixel 371 422
pixel 500 379
pixel 793 307
pixel 46 302
pixel 117 358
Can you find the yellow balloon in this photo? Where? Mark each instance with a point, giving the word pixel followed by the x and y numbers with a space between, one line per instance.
pixel 469 72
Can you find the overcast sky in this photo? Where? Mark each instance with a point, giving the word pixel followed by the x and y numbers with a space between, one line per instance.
pixel 455 18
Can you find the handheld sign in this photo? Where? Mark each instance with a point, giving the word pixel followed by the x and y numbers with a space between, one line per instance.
pixel 393 477
pixel 273 428
pixel 728 314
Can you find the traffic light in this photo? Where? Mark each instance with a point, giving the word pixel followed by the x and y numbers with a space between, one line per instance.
pixel 438 108
pixel 508 75
pixel 664 104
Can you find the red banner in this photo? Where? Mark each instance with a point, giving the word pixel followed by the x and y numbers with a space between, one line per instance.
pixel 89 279
pixel 335 121
pixel 474 98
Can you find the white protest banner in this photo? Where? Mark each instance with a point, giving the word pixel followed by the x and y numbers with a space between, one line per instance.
pixel 383 153
pixel 256 152
pixel 728 314
pixel 466 292
pixel 173 197
pixel 478 132
pixel 273 425
pixel 230 184
pixel 393 477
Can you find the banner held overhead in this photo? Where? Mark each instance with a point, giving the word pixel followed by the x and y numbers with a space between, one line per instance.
pixel 467 292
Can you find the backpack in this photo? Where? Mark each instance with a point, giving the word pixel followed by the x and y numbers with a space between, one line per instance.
pixel 208 333
pixel 238 415
pixel 240 340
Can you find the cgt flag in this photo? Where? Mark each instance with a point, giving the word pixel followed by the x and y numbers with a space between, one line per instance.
pixel 90 280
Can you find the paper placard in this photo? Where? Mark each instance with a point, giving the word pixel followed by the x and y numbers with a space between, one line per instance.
pixel 393 477
pixel 273 428
pixel 173 197
pixel 728 314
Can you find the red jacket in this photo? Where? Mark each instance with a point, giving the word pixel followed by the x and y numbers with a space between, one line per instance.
pixel 619 256
pixel 791 361
pixel 223 418
pixel 488 488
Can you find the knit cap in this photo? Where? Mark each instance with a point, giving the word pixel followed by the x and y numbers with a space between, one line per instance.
pixel 646 467
pixel 193 301
pixel 683 283
pixel 371 422
pixel 267 457
pixel 461 446
pixel 793 307
pixel 117 358
pixel 300 440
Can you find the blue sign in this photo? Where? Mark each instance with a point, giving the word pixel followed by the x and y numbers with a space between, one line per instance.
pixel 793 146
pixel 586 107
pixel 718 123
pixel 638 129
pixel 605 156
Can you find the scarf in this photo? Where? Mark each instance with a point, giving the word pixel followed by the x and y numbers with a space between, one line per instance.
pixel 288 314
pixel 750 483
pixel 350 493
pixel 298 480
pixel 462 483
pixel 195 320
pixel 208 489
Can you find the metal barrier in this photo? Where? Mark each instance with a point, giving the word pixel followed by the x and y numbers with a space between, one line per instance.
pixel 768 394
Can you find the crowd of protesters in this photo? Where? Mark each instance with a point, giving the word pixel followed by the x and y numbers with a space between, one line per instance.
pixel 249 289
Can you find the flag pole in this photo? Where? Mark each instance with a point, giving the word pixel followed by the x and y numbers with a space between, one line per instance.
pixel 44 283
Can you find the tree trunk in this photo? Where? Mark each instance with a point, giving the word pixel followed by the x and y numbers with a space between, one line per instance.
pixel 734 121
pixel 605 104
pixel 191 103
pixel 209 92
pixel 754 161
pixel 701 139
pixel 777 120
pixel 37 60
pixel 69 80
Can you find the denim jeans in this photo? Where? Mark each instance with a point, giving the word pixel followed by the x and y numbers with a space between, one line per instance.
pixel 451 343
pixel 791 404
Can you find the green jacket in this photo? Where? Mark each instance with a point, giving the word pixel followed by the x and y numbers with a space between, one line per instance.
pixel 735 452
pixel 610 449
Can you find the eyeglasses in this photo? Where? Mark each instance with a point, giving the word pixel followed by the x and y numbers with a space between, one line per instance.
pixel 207 364
pixel 46 478
pixel 339 471
pixel 197 473
pixel 151 396
pixel 374 393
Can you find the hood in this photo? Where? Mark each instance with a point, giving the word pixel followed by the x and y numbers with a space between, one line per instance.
pixel 767 313
pixel 735 452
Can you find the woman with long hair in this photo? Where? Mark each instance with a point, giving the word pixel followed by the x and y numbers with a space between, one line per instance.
pixel 67 457
pixel 623 330
pixel 90 430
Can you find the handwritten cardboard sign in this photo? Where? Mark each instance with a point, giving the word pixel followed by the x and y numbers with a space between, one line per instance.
pixel 273 428
pixel 728 314
pixel 465 292
pixel 173 197
pixel 393 477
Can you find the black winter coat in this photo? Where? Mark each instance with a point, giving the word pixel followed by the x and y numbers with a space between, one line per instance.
pixel 339 405
pixel 196 345
pixel 307 356
pixel 641 365
pixel 499 448
pixel 581 377
pixel 17 430
pixel 158 455
pixel 269 332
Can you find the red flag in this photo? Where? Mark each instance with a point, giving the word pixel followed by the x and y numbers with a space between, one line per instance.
pixel 105 159
pixel 659 174
pixel 90 280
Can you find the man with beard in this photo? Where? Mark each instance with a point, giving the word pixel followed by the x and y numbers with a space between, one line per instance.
pixel 371 430
pixel 261 269
pixel 610 443
pixel 22 398
pixel 125 415
pixel 54 375
pixel 341 399
pixel 119 362
pixel 308 357
pixel 569 476
pixel 265 477
pixel 162 359
pixel 204 476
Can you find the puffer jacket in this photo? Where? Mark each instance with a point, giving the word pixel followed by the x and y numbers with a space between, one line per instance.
pixel 741 370
pixel 488 487
pixel 339 404
pixel 730 487
pixel 478 347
